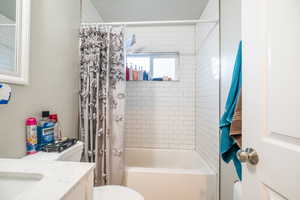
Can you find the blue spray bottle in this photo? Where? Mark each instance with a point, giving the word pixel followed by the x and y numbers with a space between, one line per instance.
pixel 45 130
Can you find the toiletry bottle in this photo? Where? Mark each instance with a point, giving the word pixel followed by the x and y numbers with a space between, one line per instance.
pixel 127 73
pixel 57 127
pixel 131 73
pixel 45 130
pixel 141 74
pixel 31 135
pixel 135 74
pixel 138 72
pixel 149 76
pixel 145 75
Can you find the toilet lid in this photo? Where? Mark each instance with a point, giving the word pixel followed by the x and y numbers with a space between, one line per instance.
pixel 112 192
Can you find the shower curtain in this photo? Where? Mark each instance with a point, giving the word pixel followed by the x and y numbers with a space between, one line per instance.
pixel 102 101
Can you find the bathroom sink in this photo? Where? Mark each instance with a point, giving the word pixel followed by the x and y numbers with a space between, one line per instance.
pixel 12 185
pixel 22 179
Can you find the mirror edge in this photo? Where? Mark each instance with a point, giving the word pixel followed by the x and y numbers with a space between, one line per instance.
pixel 23 21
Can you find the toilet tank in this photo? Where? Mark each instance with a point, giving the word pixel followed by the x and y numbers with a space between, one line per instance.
pixel 71 154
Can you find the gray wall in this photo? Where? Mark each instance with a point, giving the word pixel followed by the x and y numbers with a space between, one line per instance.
pixel 89 14
pixel 153 10
pixel 230 37
pixel 54 73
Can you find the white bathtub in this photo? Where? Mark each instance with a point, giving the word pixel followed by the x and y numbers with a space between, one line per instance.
pixel 169 175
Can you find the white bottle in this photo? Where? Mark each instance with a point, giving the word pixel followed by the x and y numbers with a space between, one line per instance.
pixel 141 74
pixel 57 127
pixel 130 73
pixel 149 76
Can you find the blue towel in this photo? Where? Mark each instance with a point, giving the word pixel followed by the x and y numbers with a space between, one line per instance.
pixel 5 93
pixel 228 147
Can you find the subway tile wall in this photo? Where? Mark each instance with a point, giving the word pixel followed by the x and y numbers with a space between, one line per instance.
pixel 207 88
pixel 162 114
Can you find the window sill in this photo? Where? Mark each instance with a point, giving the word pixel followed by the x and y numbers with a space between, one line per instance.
pixel 153 81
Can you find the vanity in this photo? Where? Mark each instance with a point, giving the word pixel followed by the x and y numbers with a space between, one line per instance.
pixel 29 180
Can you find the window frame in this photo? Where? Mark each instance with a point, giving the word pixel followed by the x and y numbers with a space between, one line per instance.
pixel 154 55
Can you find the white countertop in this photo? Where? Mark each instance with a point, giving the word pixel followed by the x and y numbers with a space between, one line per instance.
pixel 58 178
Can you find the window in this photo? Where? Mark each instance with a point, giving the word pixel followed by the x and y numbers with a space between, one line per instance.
pixel 160 66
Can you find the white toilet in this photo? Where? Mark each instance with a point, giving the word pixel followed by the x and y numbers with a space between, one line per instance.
pixel 100 193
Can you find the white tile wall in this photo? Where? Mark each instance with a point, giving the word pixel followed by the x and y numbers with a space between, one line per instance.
pixel 207 88
pixel 161 114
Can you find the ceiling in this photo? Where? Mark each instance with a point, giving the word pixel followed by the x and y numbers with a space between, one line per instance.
pixel 149 10
pixel 8 8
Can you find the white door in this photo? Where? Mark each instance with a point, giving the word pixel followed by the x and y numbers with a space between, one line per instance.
pixel 271 98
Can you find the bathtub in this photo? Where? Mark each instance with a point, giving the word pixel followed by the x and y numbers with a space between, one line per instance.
pixel 169 175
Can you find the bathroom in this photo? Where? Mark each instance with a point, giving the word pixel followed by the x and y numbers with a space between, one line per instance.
pixel 156 127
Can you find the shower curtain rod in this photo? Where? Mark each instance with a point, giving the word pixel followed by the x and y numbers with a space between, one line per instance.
pixel 176 22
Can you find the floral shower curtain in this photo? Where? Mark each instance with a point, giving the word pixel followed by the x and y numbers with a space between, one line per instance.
pixel 102 101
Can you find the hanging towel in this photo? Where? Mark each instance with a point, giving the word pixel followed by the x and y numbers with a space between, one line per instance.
pixel 5 93
pixel 236 125
pixel 228 146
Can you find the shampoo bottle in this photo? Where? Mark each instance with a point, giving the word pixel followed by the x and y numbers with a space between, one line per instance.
pixel 135 74
pixel 31 135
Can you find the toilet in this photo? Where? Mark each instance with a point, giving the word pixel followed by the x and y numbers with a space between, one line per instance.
pixel 111 192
